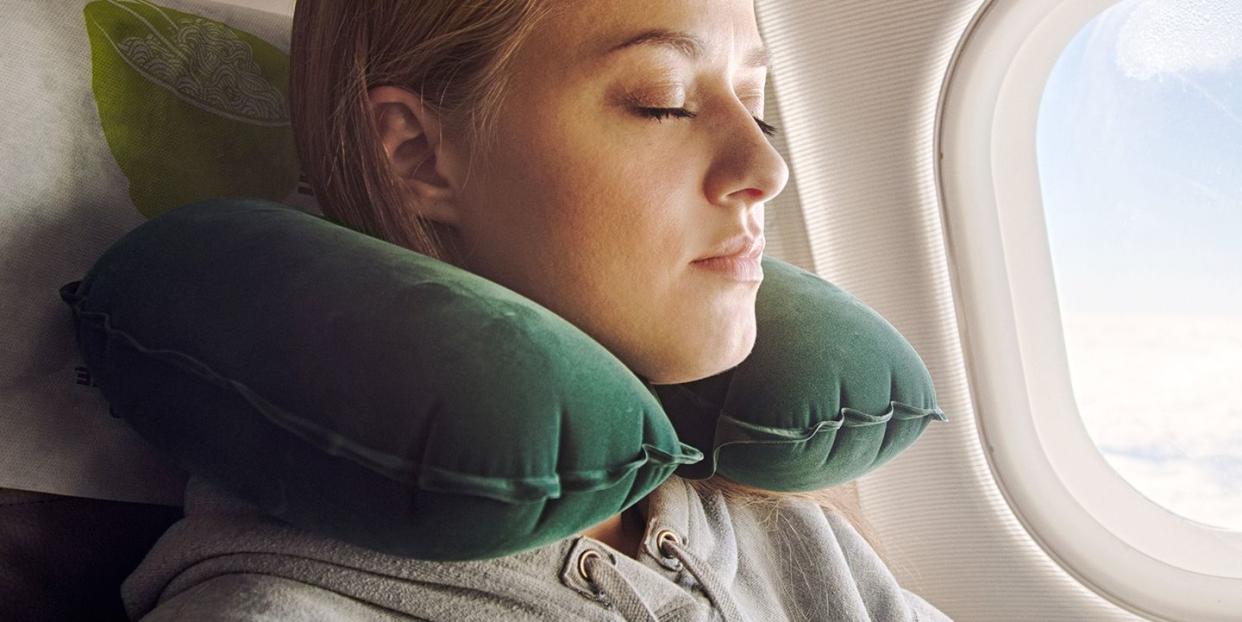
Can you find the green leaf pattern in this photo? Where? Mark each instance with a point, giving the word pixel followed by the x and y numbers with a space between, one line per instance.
pixel 191 108
pixel 209 66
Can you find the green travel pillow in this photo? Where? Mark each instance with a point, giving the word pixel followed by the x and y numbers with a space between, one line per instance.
pixel 353 387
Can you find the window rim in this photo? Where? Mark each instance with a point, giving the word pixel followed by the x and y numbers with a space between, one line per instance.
pixel 1050 472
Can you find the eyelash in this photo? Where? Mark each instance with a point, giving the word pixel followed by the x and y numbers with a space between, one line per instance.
pixel 662 113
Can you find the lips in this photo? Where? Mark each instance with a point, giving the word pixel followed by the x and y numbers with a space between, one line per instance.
pixel 737 258
pixel 740 247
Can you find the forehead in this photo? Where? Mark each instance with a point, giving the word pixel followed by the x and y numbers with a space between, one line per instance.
pixel 589 35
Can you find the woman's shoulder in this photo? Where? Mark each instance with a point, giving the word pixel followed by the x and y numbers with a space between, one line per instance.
pixel 792 541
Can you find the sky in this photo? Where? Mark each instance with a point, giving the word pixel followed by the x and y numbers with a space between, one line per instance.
pixel 1140 154
pixel 1139 142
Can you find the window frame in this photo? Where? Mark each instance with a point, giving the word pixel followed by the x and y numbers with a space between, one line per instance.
pixel 1085 515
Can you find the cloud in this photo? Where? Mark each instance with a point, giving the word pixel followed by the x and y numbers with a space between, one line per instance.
pixel 1172 36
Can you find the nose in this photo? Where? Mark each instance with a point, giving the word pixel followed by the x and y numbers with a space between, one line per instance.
pixel 747 168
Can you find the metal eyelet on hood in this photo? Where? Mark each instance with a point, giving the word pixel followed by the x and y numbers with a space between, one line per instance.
pixel 663 536
pixel 599 569
pixel 657 546
pixel 582 560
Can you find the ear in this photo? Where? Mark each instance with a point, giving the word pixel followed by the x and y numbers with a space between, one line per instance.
pixel 413 143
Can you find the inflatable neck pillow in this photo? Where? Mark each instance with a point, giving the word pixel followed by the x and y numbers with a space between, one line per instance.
pixel 356 388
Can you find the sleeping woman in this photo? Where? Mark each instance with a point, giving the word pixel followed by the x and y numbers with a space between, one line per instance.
pixel 588 154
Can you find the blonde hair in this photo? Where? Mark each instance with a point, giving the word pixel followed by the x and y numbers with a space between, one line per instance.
pixel 841 500
pixel 455 54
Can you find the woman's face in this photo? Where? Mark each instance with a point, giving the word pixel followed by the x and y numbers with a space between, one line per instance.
pixel 596 210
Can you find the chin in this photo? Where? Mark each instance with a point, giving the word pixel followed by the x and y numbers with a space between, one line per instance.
pixel 702 361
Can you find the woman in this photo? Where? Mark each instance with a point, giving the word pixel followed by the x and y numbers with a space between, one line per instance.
pixel 586 154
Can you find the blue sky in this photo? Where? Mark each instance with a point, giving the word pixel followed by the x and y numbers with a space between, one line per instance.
pixel 1140 156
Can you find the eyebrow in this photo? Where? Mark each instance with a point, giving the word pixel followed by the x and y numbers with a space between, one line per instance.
pixel 688 44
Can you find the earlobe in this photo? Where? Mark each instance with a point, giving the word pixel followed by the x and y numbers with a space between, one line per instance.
pixel 432 201
pixel 412 141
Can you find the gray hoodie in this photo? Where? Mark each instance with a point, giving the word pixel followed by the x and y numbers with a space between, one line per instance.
pixel 702 558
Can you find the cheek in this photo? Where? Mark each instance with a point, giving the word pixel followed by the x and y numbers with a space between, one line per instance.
pixel 631 216
pixel 596 198
pixel 590 203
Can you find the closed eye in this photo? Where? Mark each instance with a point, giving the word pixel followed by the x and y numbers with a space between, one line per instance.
pixel 663 113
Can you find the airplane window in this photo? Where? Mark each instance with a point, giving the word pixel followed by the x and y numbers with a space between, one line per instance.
pixel 1139 149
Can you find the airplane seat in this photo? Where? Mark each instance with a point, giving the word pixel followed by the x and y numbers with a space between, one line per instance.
pixel 115 111
pixel 63 557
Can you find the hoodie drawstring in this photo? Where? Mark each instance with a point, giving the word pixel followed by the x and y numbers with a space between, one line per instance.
pixel 703 573
pixel 609 581
pixel 613 585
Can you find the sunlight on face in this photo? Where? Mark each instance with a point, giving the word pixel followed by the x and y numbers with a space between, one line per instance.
pixel 595 208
